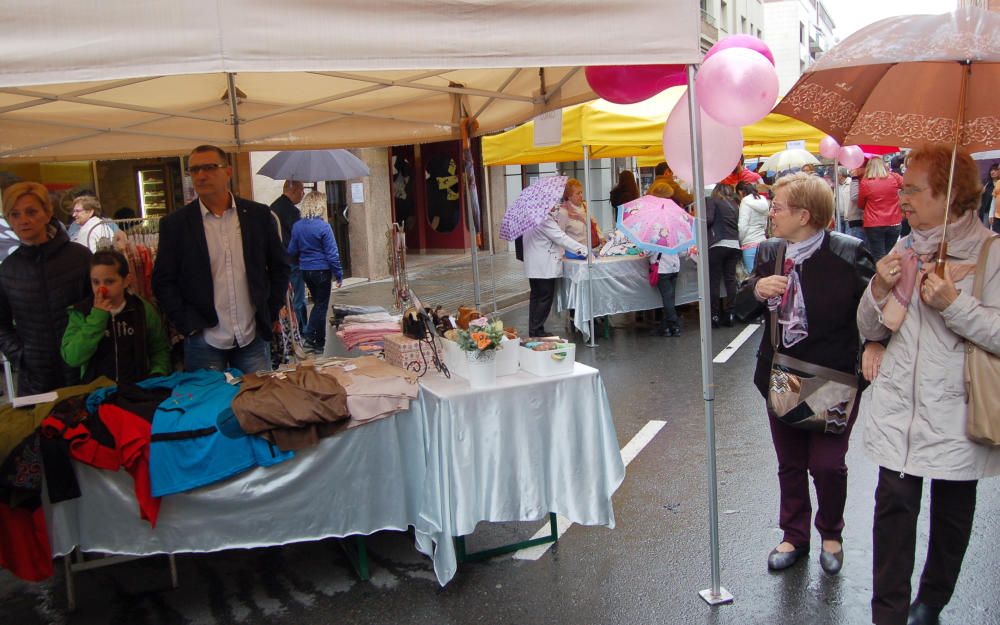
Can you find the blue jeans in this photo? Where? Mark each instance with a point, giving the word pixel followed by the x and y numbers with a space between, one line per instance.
pixel 298 295
pixel 200 355
pixel 666 284
pixel 319 282
pixel 880 240
pixel 857 232
pixel 749 258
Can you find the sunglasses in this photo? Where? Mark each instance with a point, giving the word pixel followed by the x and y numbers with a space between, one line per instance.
pixel 207 168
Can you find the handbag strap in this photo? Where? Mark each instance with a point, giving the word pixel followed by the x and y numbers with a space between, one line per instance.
pixel 984 254
pixel 817 370
pixel 779 266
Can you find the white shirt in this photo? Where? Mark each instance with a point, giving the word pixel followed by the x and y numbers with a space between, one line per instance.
pixel 237 324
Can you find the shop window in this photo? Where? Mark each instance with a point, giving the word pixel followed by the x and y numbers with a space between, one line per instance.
pixel 443 209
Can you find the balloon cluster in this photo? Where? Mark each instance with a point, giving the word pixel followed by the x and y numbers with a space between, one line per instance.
pixel 737 86
pixel 850 156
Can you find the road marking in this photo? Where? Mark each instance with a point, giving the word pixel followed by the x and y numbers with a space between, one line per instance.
pixel 738 342
pixel 629 452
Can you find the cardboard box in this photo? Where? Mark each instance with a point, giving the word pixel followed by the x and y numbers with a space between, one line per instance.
pixel 410 354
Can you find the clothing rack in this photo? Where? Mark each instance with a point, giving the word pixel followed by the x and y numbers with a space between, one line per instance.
pixel 142 237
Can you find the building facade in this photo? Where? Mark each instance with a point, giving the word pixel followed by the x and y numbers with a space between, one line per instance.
pixel 798 32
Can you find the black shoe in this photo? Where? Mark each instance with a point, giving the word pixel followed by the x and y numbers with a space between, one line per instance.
pixel 657 332
pixel 726 319
pixel 831 562
pixel 780 560
pixel 922 614
pixel 715 321
pixel 674 332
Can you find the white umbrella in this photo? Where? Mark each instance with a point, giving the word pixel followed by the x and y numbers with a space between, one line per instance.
pixel 789 159
pixel 314 166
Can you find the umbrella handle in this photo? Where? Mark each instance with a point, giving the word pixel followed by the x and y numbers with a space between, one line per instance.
pixel 939 263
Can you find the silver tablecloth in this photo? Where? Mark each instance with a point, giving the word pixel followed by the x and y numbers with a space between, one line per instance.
pixel 455 458
pixel 621 284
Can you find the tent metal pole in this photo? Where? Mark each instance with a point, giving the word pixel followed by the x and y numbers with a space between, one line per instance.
pixel 716 594
pixel 489 220
pixel 231 81
pixel 590 245
pixel 467 195
pixel 836 196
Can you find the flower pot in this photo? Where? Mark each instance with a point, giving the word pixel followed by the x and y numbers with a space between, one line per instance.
pixel 482 368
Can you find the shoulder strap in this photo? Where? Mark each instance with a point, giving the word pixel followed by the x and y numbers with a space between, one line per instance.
pixel 984 254
pixel 779 270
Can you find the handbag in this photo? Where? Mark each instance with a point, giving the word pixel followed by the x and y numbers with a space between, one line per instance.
pixel 654 272
pixel 807 396
pixel 982 375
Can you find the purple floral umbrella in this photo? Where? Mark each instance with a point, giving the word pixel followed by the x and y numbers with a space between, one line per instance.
pixel 531 207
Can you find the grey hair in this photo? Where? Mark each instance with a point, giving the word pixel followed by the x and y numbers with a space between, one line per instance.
pixel 314 205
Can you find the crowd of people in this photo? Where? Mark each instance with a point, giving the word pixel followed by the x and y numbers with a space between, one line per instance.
pixel 220 277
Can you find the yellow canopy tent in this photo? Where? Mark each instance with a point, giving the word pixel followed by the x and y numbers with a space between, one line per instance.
pixel 617 130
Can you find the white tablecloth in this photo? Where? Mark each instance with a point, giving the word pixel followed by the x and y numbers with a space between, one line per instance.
pixel 516 452
pixel 621 284
pixel 455 458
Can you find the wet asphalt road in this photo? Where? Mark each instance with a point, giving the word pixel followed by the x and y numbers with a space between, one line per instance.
pixel 647 570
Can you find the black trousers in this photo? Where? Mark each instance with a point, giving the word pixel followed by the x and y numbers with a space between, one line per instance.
pixel 722 263
pixel 897 504
pixel 543 290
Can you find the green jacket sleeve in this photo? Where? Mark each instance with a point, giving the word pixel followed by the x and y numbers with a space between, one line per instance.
pixel 83 334
pixel 157 345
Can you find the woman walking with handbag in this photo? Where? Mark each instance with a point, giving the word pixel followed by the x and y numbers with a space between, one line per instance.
pixel 812 280
pixel 916 410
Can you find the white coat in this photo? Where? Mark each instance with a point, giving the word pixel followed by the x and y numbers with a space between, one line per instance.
pixel 543 249
pixel 914 412
pixel 753 220
pixel 92 231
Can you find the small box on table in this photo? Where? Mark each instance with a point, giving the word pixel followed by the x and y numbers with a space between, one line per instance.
pixel 406 353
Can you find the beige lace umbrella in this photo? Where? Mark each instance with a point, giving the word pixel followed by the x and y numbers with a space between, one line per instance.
pixel 908 80
pixel 900 81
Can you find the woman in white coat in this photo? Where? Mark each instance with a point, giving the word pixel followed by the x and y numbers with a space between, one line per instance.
pixel 754 211
pixel 543 255
pixel 915 410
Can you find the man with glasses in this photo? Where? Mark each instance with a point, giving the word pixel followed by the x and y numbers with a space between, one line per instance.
pixel 220 275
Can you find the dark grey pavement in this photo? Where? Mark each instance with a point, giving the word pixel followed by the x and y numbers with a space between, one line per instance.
pixel 647 570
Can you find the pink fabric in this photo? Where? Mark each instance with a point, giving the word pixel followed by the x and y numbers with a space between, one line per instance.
pixel 879 198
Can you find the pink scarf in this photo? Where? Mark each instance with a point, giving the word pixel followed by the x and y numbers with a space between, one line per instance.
pixel 920 247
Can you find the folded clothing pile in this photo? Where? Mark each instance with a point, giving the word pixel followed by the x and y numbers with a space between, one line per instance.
pixel 367 331
pixel 618 245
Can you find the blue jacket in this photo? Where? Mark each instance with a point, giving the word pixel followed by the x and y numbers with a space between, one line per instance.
pixel 313 242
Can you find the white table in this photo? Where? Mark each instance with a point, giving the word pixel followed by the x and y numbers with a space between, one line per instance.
pixel 620 284
pixel 455 458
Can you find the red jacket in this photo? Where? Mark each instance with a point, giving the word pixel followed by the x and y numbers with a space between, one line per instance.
pixel 745 175
pixel 879 198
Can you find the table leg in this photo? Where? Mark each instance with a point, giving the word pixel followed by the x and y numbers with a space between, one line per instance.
pixel 463 556
pixel 357 554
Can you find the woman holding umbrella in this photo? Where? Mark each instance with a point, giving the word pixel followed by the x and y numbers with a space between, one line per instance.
pixel 915 410
pixel 813 296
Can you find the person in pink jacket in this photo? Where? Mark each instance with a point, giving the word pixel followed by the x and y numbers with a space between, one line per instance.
pixel 878 197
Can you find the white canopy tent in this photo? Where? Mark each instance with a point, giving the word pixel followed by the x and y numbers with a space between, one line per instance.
pixel 127 78
pixel 87 80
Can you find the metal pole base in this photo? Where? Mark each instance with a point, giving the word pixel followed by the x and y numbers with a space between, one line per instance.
pixel 712 598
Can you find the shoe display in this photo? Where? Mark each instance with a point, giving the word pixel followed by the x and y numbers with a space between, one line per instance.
pixel 831 562
pixel 780 560
pixel 922 614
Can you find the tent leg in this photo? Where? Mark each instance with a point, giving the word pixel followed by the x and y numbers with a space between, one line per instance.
pixel 716 594
pixel 590 245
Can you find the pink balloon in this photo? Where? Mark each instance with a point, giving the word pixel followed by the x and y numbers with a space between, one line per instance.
pixel 741 41
pixel 851 156
pixel 829 147
pixel 628 84
pixel 721 145
pixel 737 87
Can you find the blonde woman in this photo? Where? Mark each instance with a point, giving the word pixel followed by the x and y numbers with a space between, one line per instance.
pixel 878 198
pixel 572 216
pixel 315 247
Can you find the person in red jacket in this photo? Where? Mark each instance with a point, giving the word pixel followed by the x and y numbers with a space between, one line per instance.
pixel 878 197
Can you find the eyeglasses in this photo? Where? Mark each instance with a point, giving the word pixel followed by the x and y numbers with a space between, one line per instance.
pixel 910 190
pixel 777 208
pixel 207 168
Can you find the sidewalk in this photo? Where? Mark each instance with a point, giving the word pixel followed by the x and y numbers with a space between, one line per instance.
pixel 448 283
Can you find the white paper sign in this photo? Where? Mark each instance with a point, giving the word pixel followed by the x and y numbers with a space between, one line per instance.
pixel 357 193
pixel 795 145
pixel 548 129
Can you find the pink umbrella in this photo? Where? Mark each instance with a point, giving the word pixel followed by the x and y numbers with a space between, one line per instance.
pixel 656 224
